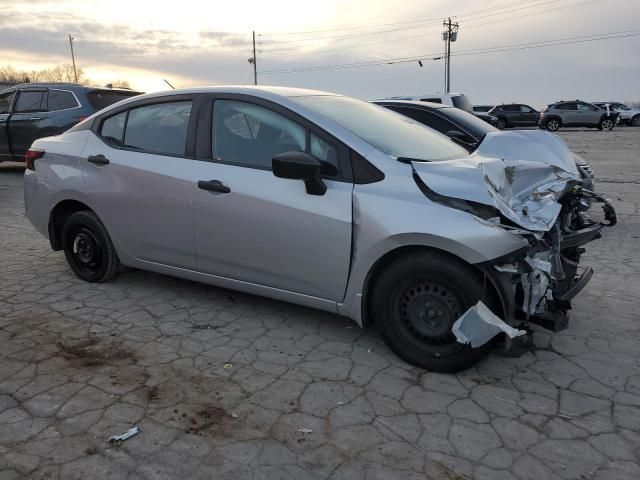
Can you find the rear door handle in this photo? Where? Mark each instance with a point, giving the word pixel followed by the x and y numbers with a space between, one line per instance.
pixel 33 119
pixel 213 186
pixel 98 159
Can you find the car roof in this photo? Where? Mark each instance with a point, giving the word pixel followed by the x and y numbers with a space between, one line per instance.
pixel 419 103
pixel 70 85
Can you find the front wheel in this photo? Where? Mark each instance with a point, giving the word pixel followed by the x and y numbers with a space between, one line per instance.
pixel 606 124
pixel 88 248
pixel 416 301
pixel 635 121
pixel 501 124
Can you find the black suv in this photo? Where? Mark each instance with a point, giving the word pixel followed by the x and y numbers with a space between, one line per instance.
pixel 515 115
pixel 34 110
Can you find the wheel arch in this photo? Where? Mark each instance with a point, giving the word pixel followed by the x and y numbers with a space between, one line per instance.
pixel 496 297
pixel 59 214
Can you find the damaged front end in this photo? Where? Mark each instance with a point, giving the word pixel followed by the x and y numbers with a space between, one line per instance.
pixel 526 183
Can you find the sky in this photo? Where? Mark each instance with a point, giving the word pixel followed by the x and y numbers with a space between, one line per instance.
pixel 192 43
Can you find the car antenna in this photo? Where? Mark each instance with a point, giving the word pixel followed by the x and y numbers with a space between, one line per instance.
pixel 167 82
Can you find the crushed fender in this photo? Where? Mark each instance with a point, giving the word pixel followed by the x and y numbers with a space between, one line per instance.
pixel 478 325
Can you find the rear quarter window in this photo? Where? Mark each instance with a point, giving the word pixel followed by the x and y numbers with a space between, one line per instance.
pixel 61 100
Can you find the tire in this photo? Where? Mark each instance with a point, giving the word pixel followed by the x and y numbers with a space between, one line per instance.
pixel 606 124
pixel 635 121
pixel 448 288
pixel 501 124
pixel 88 248
pixel 553 124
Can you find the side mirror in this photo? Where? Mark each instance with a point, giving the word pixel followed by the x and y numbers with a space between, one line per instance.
pixel 455 134
pixel 300 166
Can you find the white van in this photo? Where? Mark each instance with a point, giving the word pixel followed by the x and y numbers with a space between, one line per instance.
pixel 458 100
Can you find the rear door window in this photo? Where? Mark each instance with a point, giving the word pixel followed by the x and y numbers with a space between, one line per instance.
pixel 31 101
pixel 160 128
pixel 61 100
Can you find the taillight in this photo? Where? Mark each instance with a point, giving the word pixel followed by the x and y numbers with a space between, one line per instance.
pixel 31 156
pixel 82 118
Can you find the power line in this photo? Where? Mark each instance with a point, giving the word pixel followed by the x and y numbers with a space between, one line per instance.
pixel 495 49
pixel 420 35
pixel 340 38
pixel 396 23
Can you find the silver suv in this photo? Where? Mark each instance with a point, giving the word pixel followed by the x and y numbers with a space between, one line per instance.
pixel 577 114
pixel 325 201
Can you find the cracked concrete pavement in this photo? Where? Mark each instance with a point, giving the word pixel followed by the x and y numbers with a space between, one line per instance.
pixel 223 384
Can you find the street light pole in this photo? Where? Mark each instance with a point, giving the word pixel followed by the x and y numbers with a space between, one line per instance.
pixel 73 59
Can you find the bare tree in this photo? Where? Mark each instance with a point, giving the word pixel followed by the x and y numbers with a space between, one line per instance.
pixel 120 84
pixel 10 74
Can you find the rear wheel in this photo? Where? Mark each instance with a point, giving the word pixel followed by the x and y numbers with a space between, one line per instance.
pixel 88 248
pixel 416 301
pixel 552 125
pixel 635 121
pixel 606 124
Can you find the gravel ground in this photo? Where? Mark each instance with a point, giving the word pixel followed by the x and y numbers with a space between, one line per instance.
pixel 228 385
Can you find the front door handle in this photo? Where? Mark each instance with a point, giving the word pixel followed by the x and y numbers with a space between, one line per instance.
pixel 35 119
pixel 98 159
pixel 213 186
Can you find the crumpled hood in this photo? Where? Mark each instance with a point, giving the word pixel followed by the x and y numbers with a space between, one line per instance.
pixel 521 173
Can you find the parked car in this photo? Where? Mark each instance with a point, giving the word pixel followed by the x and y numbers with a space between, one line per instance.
pixel 34 110
pixel 463 128
pixel 458 100
pixel 482 112
pixel 326 201
pixel 628 115
pixel 577 114
pixel 515 115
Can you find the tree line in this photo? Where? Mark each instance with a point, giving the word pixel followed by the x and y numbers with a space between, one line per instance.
pixel 59 73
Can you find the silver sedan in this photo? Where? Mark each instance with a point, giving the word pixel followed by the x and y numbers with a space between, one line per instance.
pixel 325 201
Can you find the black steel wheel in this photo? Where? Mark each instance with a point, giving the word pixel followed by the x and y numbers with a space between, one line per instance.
pixel 416 301
pixel 88 248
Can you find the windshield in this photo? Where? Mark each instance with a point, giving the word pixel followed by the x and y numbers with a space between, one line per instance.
pixel 462 102
pixel 389 132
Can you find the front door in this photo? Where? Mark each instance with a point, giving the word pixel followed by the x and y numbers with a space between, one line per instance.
pixel 137 174
pixel 589 114
pixel 29 119
pixel 254 227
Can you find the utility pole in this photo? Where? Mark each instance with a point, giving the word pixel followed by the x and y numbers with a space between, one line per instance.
pixel 73 59
pixel 254 60
pixel 449 35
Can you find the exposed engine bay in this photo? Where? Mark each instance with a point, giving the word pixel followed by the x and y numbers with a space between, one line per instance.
pixel 528 184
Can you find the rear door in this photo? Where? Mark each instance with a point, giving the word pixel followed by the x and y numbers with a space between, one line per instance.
pixel 265 230
pixel 137 170
pixel 5 107
pixel 568 113
pixel 29 119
